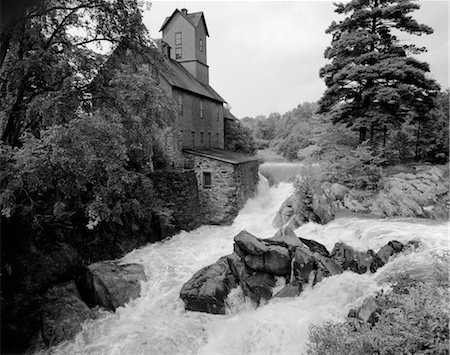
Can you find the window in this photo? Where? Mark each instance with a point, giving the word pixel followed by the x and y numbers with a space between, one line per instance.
pixel 218 138
pixel 201 44
pixel 209 139
pixel 201 137
pixel 201 109
pixel 218 112
pixel 206 180
pixel 178 41
pixel 178 53
pixel 193 139
pixel 180 104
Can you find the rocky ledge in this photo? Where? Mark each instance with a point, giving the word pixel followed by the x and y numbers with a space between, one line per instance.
pixel 421 193
pixel 256 263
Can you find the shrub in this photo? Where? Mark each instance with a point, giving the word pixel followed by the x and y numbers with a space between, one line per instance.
pixel 413 321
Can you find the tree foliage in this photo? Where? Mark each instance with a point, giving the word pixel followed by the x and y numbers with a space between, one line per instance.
pixel 46 61
pixel 373 80
pixel 238 138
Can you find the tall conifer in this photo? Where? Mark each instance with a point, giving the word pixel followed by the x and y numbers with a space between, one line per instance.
pixel 373 80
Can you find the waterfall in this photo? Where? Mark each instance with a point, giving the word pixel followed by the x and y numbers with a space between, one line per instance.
pixel 156 322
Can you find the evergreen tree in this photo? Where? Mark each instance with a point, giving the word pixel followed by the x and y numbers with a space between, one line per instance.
pixel 373 81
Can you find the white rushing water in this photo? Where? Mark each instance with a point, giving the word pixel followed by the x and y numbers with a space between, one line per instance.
pixel 156 323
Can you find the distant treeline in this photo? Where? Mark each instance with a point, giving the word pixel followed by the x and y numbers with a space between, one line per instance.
pixel 302 133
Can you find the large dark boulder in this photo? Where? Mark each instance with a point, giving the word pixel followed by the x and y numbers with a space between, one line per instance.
pixel 259 286
pixel 359 262
pixel 62 314
pixel 207 289
pixel 391 248
pixel 249 243
pixel 276 260
pixel 111 284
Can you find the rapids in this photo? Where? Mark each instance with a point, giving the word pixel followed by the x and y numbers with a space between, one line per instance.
pixel 156 323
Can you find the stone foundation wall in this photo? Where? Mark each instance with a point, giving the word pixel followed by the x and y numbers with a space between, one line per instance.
pixel 246 175
pixel 179 193
pixel 231 186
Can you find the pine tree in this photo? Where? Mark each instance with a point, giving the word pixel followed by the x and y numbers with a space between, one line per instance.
pixel 373 81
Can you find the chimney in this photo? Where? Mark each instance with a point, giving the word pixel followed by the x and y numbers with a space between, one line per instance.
pixel 184 11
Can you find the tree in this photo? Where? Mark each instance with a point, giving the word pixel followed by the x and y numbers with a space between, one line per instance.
pixel 373 81
pixel 46 61
pixel 239 138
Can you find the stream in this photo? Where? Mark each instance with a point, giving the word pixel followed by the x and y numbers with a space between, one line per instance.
pixel 156 323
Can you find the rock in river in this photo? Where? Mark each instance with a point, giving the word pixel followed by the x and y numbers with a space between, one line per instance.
pixel 112 284
pixel 207 289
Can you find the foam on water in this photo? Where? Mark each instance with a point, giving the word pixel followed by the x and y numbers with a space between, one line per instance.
pixel 156 323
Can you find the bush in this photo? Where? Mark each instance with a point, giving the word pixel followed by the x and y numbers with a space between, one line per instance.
pixel 416 320
pixel 239 138
pixel 80 167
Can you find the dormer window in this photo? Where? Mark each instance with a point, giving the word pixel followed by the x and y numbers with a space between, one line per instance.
pixel 178 53
pixel 201 44
pixel 201 109
pixel 178 40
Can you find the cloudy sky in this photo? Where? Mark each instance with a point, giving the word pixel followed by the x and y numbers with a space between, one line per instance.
pixel 265 56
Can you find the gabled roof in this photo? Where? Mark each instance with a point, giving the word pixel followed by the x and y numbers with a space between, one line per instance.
pixel 193 19
pixel 226 156
pixel 228 115
pixel 179 77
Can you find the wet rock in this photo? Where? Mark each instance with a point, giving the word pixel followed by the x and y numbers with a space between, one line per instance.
pixel 358 262
pixel 112 284
pixel 304 264
pixel 391 248
pixel 328 265
pixel 207 289
pixel 287 237
pixel 249 243
pixel 291 290
pixel 276 260
pixel 63 314
pixel 368 312
pixel 259 286
pixel 315 246
pixel 343 255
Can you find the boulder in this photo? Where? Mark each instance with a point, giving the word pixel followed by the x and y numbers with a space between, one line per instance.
pixel 358 262
pixel 207 289
pixel 304 264
pixel 63 313
pixel 391 248
pixel 315 246
pixel 287 237
pixel 112 284
pixel 343 255
pixel 276 260
pixel 368 312
pixel 327 264
pixel 259 286
pixel 248 243
pixel 291 290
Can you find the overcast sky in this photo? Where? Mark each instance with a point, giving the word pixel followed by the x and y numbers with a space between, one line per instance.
pixel 265 56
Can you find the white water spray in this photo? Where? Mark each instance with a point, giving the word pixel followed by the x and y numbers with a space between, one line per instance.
pixel 156 323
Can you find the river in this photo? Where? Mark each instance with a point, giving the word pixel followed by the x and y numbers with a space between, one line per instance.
pixel 156 323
